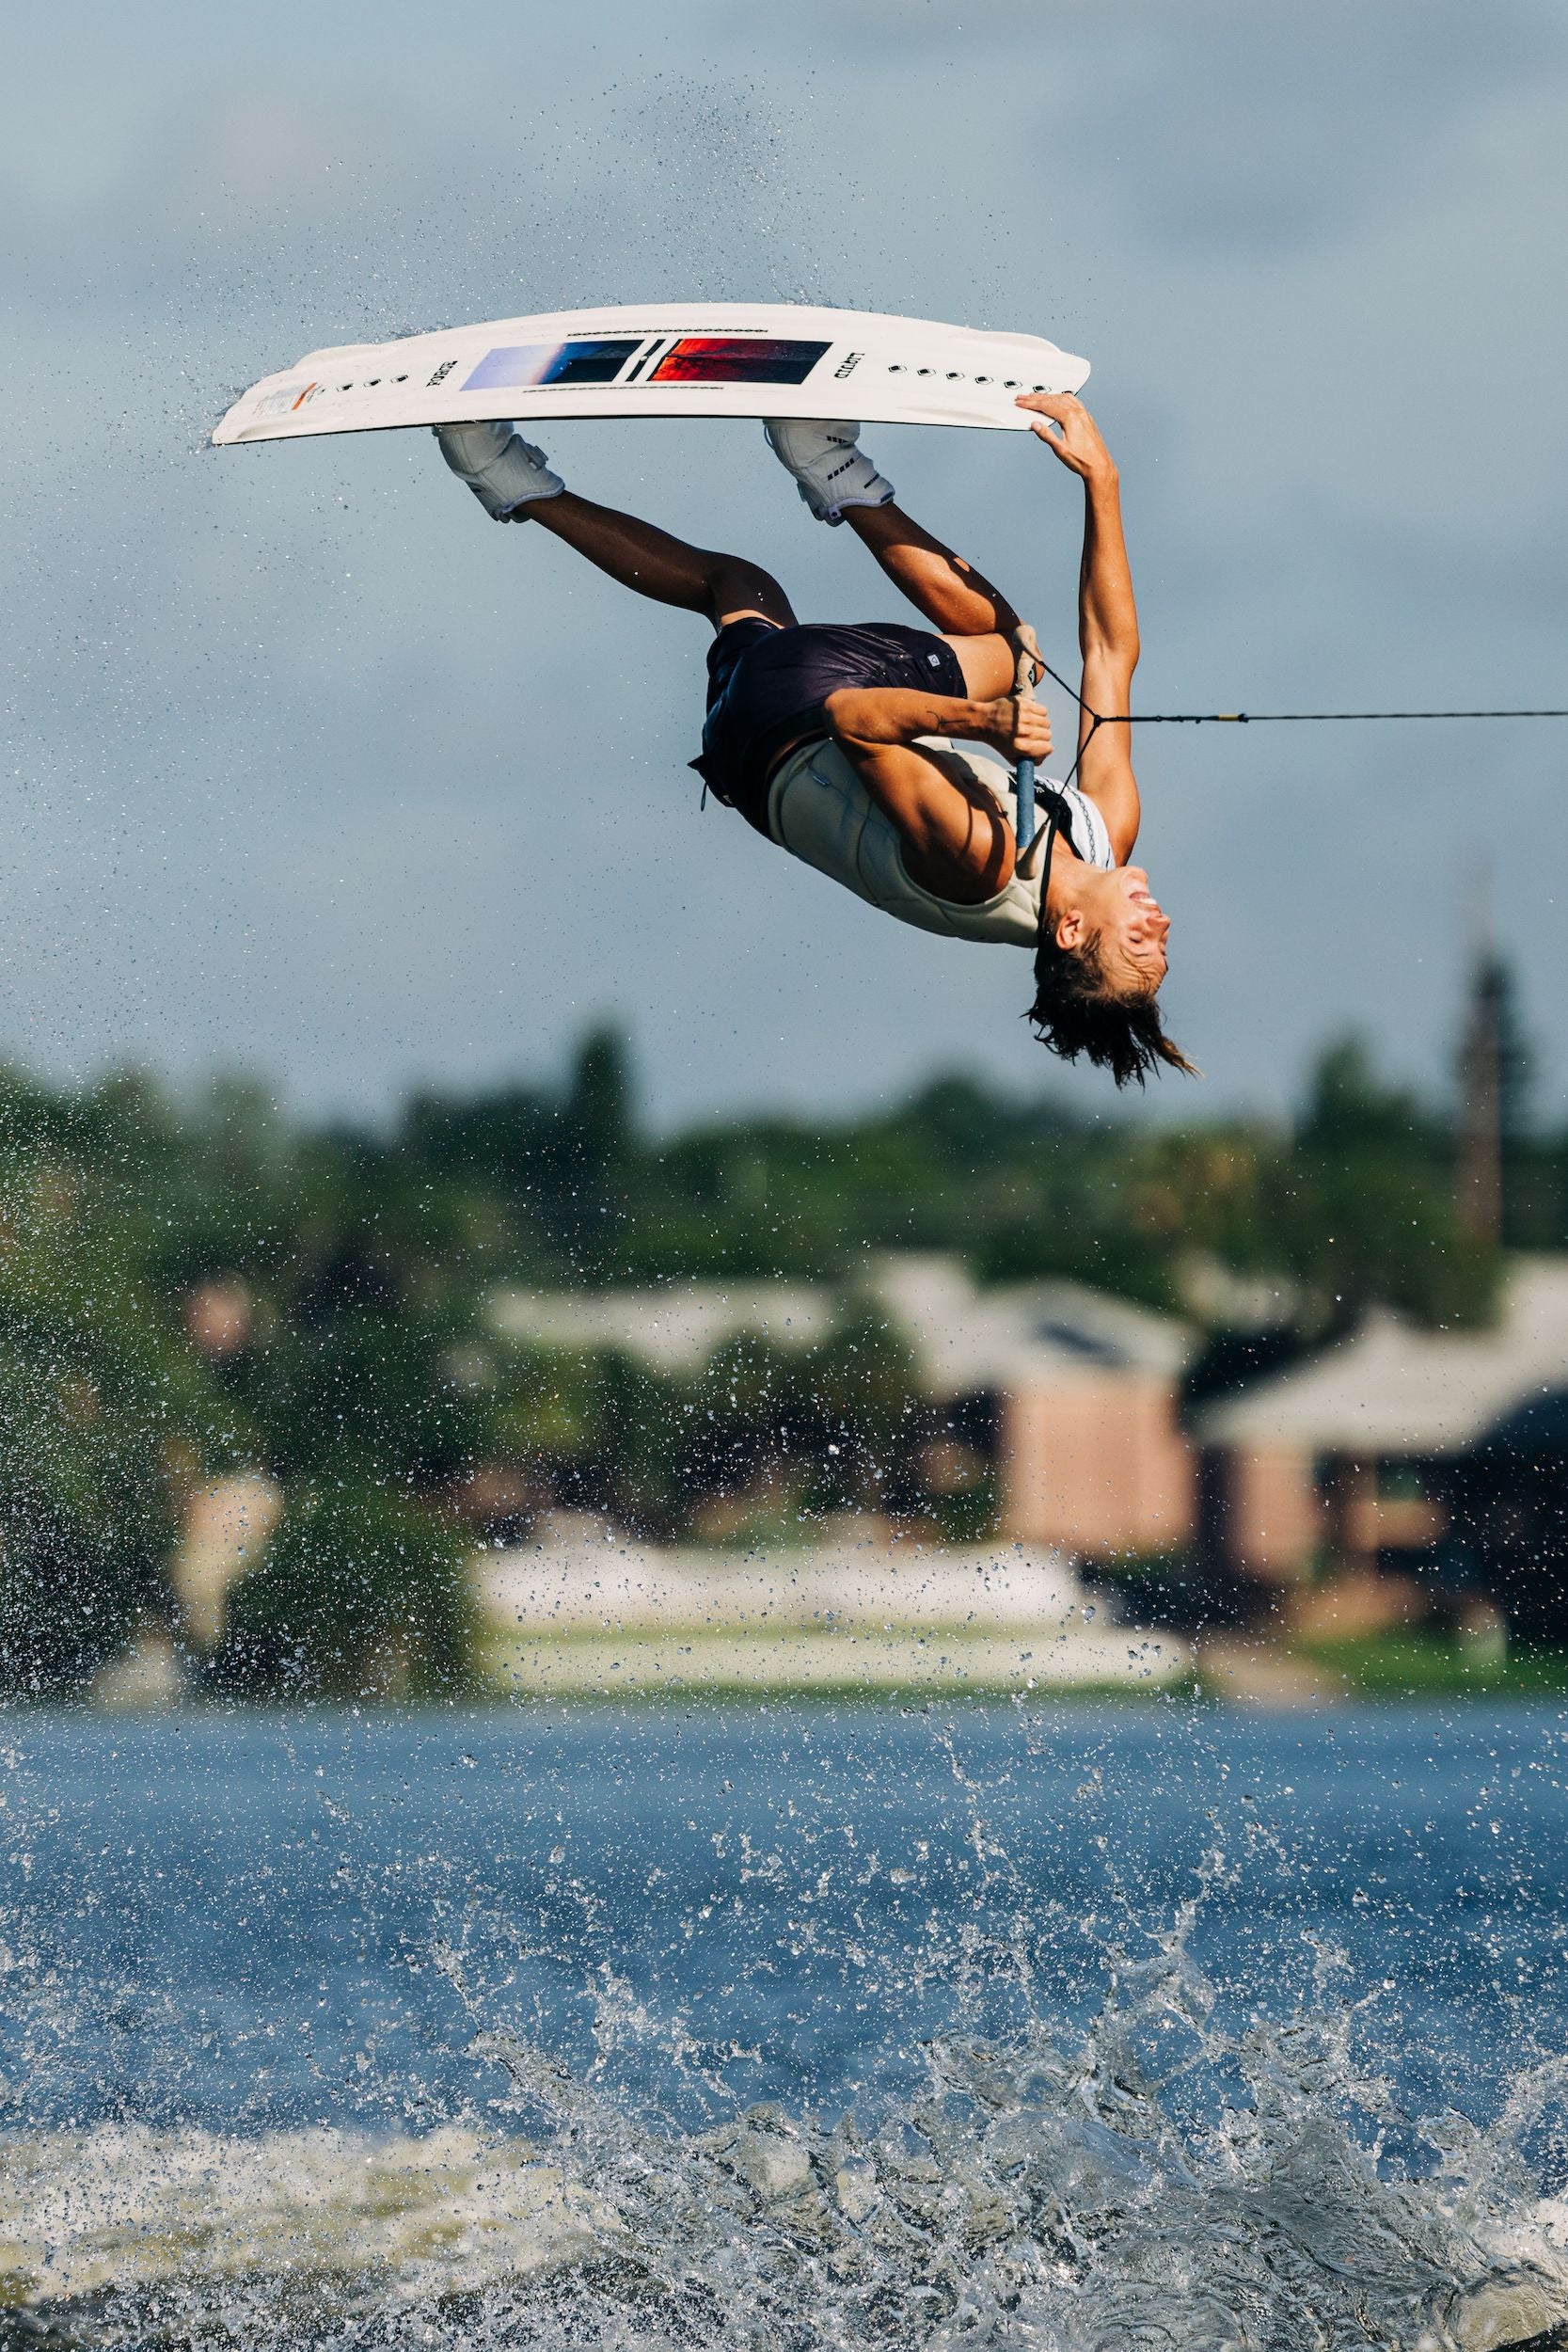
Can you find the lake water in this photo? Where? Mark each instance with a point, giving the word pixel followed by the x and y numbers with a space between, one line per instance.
pixel 1051 2026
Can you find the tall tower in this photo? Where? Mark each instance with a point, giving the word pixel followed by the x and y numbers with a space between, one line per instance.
pixel 1479 1159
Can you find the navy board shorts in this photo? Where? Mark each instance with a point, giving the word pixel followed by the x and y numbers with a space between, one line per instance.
pixel 767 686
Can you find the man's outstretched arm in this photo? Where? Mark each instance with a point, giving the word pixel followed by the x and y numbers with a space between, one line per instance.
pixel 1107 612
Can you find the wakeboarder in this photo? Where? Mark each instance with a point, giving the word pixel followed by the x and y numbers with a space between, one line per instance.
pixel 851 746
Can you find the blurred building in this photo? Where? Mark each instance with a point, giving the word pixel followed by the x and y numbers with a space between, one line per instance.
pixel 1401 1449
pixel 1083 1392
pixel 1073 1396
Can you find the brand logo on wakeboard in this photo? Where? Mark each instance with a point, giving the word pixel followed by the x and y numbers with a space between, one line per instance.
pixel 849 365
pixel 288 399
pixel 445 369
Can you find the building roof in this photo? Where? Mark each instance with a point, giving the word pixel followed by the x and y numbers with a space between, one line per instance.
pixel 964 1339
pixel 1062 1333
pixel 675 1327
pixel 1393 1388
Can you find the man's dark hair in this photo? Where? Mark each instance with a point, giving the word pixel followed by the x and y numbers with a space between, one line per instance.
pixel 1076 1011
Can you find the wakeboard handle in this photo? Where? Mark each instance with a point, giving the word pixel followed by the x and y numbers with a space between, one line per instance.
pixel 1026 667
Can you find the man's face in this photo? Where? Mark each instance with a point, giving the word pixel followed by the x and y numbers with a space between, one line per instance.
pixel 1133 932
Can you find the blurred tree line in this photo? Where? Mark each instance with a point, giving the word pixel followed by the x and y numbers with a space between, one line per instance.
pixel 189 1289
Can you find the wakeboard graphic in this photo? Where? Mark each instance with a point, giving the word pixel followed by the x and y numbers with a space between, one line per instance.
pixel 661 359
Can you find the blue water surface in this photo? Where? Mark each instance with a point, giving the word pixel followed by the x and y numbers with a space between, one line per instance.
pixel 255 1920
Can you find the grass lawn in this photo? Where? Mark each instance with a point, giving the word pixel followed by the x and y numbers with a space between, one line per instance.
pixel 1397 1666
pixel 733 1661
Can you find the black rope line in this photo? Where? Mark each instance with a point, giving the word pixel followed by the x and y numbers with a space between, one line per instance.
pixel 1098 719
pixel 1096 722
pixel 1277 718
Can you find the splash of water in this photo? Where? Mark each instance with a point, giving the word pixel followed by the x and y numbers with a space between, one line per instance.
pixel 1155 2184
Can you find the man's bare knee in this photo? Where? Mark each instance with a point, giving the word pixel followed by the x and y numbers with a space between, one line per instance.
pixel 736 587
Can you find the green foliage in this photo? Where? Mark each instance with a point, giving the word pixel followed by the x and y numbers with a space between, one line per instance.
pixel 820 1428
pixel 360 1593
pixel 858 1393
pixel 372 1387
pixel 1348 1110
pixel 365 1376
pixel 967 1514
pixel 1171 1587
pixel 101 1403
pixel 1367 1227
pixel 1429 1664
pixel 1363 1209
pixel 69 1599
pixel 563 1165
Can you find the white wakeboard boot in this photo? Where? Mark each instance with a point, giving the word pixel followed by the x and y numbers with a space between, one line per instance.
pixel 831 471
pixel 502 470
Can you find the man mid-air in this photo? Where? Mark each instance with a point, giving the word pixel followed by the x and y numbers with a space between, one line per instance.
pixel 843 744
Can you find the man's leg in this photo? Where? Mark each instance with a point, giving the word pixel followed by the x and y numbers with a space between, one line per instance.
pixel 952 596
pixel 641 556
pixel 840 482
pixel 958 600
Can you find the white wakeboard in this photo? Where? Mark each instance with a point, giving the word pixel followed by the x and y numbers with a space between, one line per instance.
pixel 662 360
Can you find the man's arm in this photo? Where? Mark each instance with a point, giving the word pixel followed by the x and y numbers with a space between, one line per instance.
pixel 953 834
pixel 1107 614
pixel 956 839
pixel 898 714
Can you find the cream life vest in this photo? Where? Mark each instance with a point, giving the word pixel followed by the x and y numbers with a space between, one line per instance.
pixel 819 811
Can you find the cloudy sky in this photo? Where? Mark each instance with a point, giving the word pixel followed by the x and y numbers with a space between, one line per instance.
pixel 312 769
